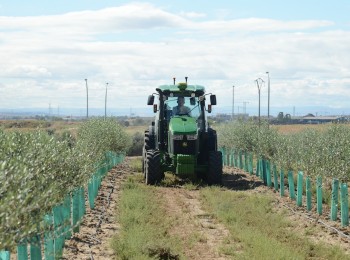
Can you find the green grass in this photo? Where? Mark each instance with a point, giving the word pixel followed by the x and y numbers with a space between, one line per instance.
pixel 136 164
pixel 144 229
pixel 257 232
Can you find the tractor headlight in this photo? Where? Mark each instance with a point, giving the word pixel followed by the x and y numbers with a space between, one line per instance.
pixel 178 137
pixel 191 137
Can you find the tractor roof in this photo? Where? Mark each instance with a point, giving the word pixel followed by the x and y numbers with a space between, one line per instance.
pixel 181 87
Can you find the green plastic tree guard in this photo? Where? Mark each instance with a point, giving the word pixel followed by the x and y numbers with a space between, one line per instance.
pixel 282 183
pixel 67 217
pixel 48 238
pixel 224 155
pixel 344 205
pixel 257 172
pixel 233 158
pixel 264 171
pixel 319 194
pixel 75 210
pixel 268 174
pixel 236 159
pixel 251 163
pixel 82 208
pixel 240 161
pixel 246 160
pixel 229 158
pixel 91 193
pixel 334 203
pixel 300 189
pixel 291 185
pixel 5 255
pixel 58 221
pixel 22 250
pixel 35 248
pixel 275 178
pixel 308 193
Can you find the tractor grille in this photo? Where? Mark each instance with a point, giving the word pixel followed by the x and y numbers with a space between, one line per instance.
pixel 180 148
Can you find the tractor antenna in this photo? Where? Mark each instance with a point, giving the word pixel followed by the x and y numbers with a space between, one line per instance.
pixel 174 80
pixel 186 79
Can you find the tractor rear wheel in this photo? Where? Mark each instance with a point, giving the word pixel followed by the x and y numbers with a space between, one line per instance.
pixel 153 173
pixel 212 140
pixel 149 141
pixel 214 173
pixel 144 156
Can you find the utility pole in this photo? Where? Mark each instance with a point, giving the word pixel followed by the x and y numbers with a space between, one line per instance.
pixel 259 87
pixel 233 102
pixel 245 107
pixel 87 99
pixel 268 97
pixel 106 101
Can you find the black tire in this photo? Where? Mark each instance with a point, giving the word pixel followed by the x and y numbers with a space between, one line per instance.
pixel 148 144
pixel 153 173
pixel 144 156
pixel 149 141
pixel 212 140
pixel 214 173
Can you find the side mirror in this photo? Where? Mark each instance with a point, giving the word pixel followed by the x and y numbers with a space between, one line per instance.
pixel 209 108
pixel 150 100
pixel 155 108
pixel 213 99
pixel 192 101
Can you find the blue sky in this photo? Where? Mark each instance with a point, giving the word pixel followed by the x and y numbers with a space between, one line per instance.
pixel 48 48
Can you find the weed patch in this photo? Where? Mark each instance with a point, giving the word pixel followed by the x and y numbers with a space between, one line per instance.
pixel 144 230
pixel 260 232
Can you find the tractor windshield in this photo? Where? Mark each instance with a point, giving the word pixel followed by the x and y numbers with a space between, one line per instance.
pixel 182 106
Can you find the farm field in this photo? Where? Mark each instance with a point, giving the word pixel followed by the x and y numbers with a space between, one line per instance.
pixel 179 219
pixel 55 125
pixel 182 220
pixel 289 129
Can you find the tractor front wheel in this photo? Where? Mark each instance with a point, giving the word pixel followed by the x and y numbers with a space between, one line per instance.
pixel 214 173
pixel 153 173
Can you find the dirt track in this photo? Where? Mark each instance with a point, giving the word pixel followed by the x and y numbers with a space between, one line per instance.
pixel 202 234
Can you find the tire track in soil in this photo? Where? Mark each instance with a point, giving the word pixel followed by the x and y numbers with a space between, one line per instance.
pixel 99 225
pixel 201 234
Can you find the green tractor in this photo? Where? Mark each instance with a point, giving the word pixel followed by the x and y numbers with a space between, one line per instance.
pixel 179 139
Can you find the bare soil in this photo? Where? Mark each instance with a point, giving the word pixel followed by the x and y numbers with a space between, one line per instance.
pixel 99 224
pixel 201 233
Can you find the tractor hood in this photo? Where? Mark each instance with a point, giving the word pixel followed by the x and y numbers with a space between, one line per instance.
pixel 183 125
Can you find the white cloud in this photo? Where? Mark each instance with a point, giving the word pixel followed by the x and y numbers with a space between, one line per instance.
pixel 138 46
pixel 192 15
pixel 114 19
pixel 28 71
pixel 258 25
